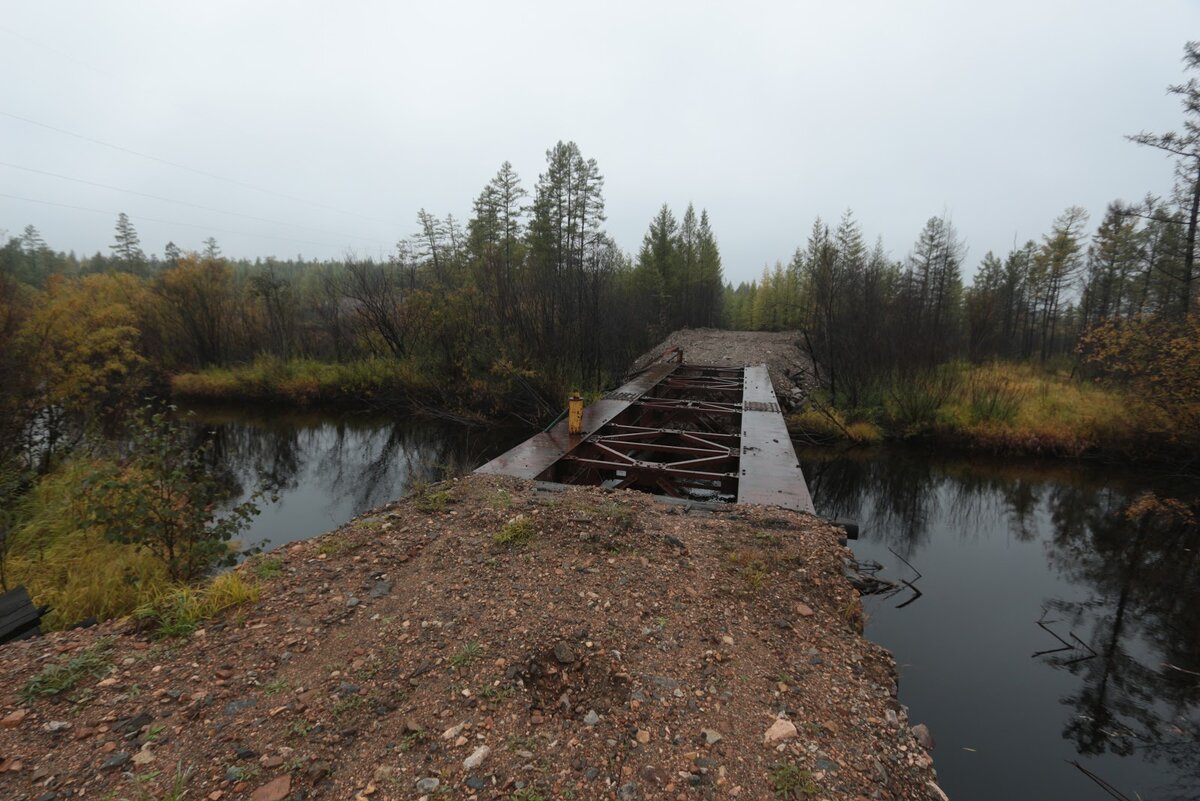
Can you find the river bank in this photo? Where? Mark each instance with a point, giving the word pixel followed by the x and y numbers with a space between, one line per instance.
pixel 499 642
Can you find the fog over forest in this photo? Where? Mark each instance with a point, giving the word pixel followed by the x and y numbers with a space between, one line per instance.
pixel 768 115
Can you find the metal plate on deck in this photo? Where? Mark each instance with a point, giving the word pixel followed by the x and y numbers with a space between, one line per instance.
pixel 770 474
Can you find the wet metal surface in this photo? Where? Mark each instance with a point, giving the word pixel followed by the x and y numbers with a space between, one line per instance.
pixel 770 473
pixel 534 456
pixel 683 431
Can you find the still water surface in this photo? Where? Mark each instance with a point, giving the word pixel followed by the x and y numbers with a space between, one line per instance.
pixel 1000 546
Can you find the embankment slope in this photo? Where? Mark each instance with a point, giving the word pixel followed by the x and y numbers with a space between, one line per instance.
pixel 495 641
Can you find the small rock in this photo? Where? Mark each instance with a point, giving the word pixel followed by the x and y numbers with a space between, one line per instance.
pixel 890 716
pixel 117 760
pixel 804 610
pixel 428 785
pixel 711 736
pixel 591 718
pixel 352 602
pixel 453 731
pixel 13 719
pixel 50 796
pixel 476 758
pixel 627 791
pixel 275 790
pixel 476 783
pixel 233 707
pixel 317 771
pixel 781 729
pixel 381 589
pixel 921 733
pixel 142 758
pixel 653 774
pixel 936 791
pixel 642 736
pixel 56 726
pixel 564 653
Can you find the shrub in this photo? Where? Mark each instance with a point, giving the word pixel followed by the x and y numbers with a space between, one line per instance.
pixel 163 497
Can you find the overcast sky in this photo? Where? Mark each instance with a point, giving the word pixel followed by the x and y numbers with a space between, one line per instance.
pixel 352 116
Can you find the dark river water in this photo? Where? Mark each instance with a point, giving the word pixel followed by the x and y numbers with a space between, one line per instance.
pixel 1050 630
pixel 1109 680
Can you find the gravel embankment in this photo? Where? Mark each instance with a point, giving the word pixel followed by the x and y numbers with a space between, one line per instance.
pixel 627 649
pixel 790 368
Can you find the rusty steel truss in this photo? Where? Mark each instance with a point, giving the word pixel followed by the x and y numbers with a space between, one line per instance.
pixel 681 430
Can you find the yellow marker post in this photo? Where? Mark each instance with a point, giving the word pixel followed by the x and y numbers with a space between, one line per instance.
pixel 575 413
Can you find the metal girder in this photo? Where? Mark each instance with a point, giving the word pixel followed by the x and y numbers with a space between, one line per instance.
pixel 679 430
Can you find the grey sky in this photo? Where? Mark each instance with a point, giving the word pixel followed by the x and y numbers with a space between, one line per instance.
pixel 768 114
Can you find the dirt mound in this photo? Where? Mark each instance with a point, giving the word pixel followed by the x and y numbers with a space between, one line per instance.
pixel 790 368
pixel 619 648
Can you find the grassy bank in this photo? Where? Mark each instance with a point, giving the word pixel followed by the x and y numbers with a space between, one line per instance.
pixel 999 408
pixel 371 383
pixel 68 564
pixel 304 382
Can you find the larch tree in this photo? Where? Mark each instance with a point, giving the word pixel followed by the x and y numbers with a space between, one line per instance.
pixel 1185 147
pixel 127 246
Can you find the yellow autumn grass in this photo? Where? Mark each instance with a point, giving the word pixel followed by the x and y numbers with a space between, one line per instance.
pixel 72 568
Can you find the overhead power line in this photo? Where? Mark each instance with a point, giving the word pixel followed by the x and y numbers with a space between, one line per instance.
pixel 140 217
pixel 193 170
pixel 185 203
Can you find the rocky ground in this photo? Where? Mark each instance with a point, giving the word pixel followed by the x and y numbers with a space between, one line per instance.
pixel 790 368
pixel 488 640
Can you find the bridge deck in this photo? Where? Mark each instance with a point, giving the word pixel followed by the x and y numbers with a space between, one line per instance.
pixel 687 431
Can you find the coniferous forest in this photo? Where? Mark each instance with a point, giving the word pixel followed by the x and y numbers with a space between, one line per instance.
pixel 1083 342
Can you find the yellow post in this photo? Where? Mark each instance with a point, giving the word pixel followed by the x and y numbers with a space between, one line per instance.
pixel 575 413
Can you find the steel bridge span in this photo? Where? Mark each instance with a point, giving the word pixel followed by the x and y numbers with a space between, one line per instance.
pixel 679 430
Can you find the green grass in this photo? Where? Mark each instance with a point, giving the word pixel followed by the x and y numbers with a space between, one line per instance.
pixel 467 654
pixel 267 567
pixel 790 781
pixel 516 532
pixel 428 498
pixel 94 663
pixel 527 794
pixel 179 610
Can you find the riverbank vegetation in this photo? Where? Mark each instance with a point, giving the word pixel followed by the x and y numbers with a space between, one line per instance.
pixel 1075 343
pixel 1078 343
pixel 496 317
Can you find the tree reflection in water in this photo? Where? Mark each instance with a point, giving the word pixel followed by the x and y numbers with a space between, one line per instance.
pixel 1128 588
pixel 335 465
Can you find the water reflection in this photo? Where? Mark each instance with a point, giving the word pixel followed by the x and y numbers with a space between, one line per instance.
pixel 1002 544
pixel 325 469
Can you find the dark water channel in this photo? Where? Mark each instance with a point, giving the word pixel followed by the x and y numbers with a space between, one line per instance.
pixel 326 468
pixel 1000 546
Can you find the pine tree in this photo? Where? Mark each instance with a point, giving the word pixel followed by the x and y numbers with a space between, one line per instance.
pixel 126 246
